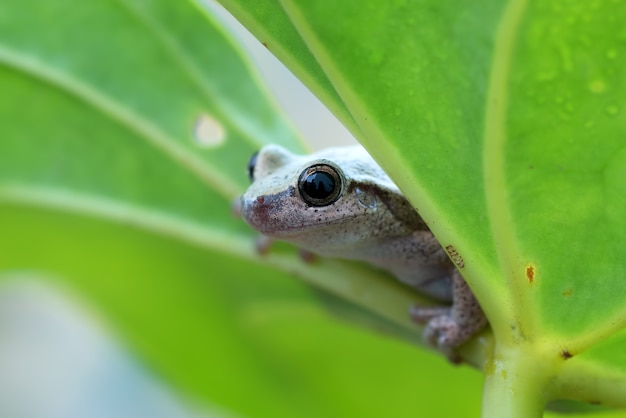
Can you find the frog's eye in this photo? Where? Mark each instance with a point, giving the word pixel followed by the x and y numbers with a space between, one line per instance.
pixel 251 165
pixel 320 185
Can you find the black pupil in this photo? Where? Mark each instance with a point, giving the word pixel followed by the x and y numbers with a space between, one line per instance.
pixel 251 165
pixel 319 185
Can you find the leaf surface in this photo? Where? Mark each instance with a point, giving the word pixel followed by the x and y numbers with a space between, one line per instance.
pixel 503 123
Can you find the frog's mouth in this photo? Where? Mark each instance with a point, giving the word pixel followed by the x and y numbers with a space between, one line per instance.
pixel 281 216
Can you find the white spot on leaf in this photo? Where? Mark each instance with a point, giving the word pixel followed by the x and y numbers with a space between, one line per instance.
pixel 209 132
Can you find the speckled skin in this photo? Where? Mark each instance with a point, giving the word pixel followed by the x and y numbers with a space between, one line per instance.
pixel 370 221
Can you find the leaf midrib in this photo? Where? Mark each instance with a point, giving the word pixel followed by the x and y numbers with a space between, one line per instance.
pixel 495 178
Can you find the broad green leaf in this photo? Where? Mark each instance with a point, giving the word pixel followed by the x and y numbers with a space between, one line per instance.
pixel 110 188
pixel 503 122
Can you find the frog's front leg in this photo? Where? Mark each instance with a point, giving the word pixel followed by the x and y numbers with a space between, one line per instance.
pixel 447 328
pixel 263 244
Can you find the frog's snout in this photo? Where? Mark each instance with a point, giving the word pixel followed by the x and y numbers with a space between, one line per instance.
pixel 256 213
pixel 267 214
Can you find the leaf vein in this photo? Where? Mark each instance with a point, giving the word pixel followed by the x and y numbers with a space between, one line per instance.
pixel 146 130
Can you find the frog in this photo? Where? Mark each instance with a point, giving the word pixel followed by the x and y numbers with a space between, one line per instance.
pixel 338 202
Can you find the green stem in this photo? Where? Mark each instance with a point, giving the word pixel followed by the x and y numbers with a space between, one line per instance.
pixel 516 384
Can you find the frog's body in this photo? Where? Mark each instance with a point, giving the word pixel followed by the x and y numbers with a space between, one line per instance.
pixel 339 203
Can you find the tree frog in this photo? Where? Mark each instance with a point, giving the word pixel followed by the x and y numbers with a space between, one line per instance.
pixel 339 203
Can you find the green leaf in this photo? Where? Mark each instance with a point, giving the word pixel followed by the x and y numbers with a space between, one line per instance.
pixel 115 187
pixel 503 122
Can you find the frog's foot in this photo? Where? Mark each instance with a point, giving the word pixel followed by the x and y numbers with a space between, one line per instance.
pixel 423 314
pixel 263 244
pixel 446 334
pixel 307 256
pixel 440 329
pixel 448 328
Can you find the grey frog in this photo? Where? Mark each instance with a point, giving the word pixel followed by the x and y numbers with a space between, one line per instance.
pixel 339 203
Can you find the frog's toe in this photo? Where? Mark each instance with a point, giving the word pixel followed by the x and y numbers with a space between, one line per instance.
pixel 263 244
pixel 445 334
pixel 423 314
pixel 307 256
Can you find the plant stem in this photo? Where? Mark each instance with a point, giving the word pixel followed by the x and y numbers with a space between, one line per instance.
pixel 516 384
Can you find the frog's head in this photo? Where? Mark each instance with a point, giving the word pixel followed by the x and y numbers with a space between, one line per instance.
pixel 313 200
